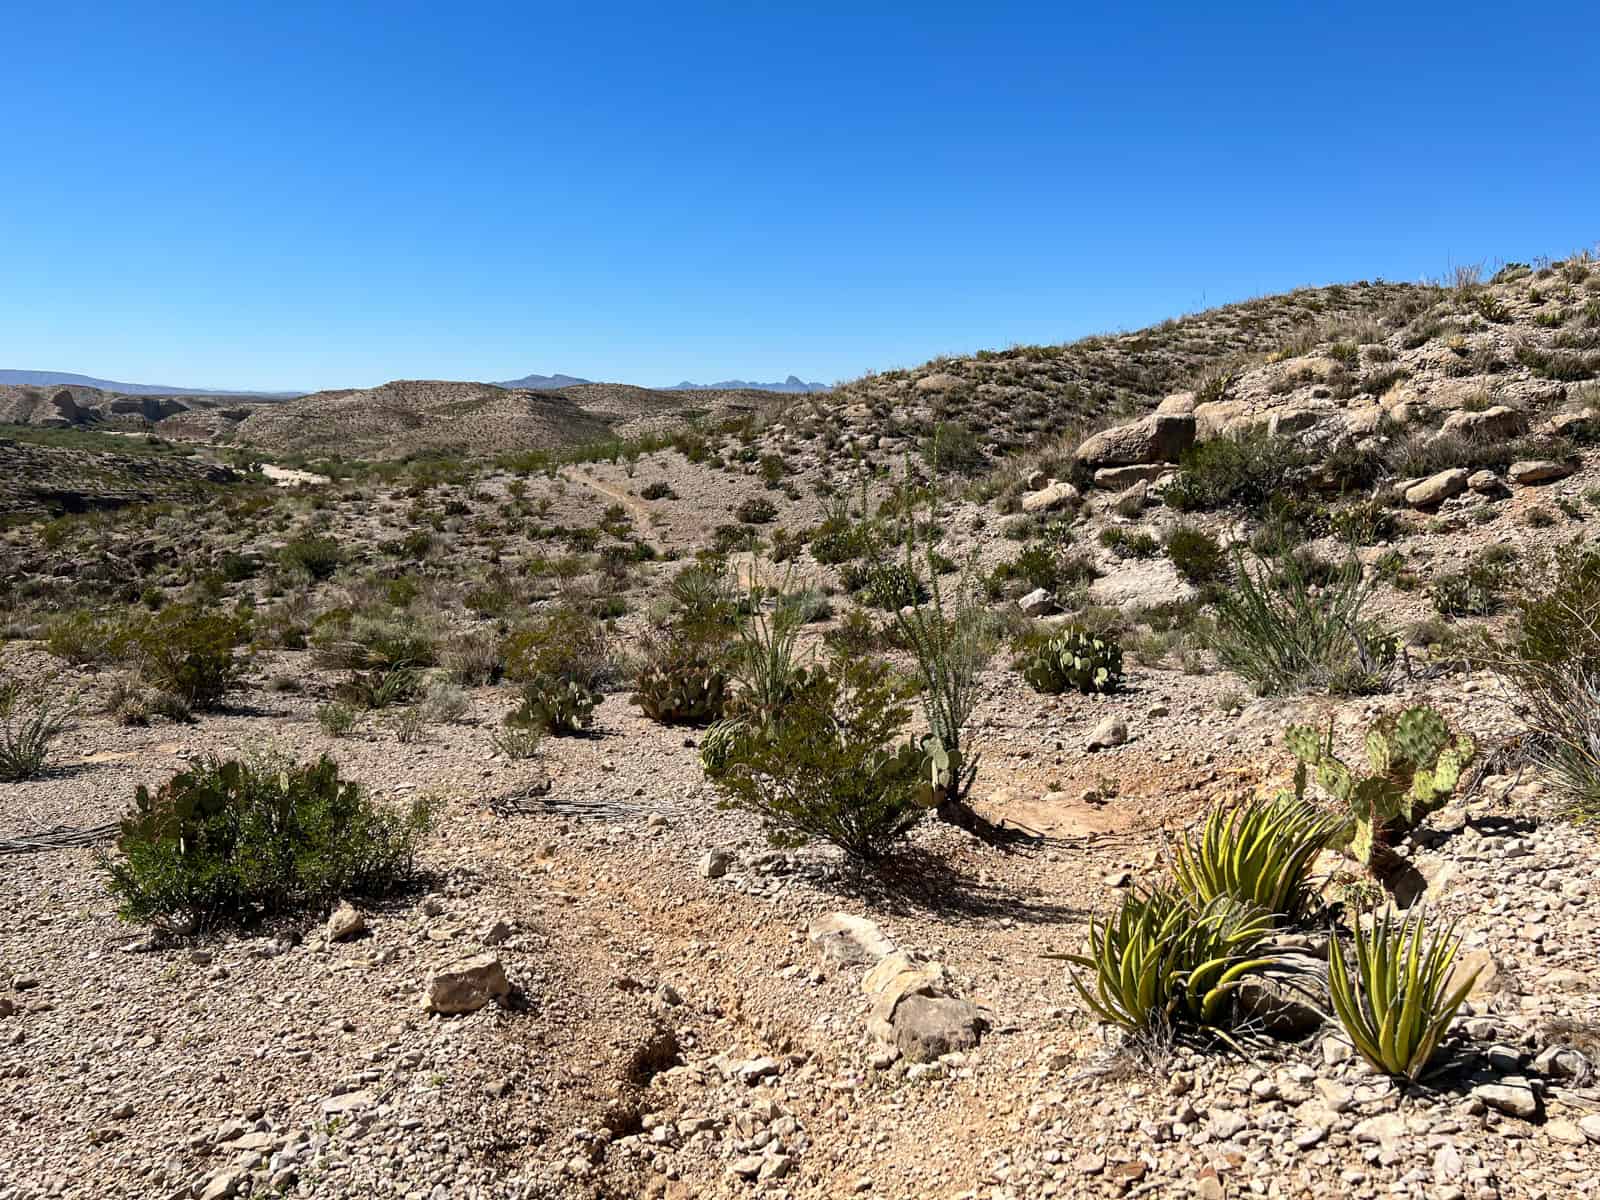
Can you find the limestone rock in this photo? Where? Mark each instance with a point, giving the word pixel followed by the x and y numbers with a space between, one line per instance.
pixel 1282 997
pixel 941 381
pixel 1540 470
pixel 346 923
pixel 1436 489
pixel 1047 499
pixel 468 985
pixel 1113 731
pixel 1512 1098
pixel 926 1027
pixel 1037 603
pixel 1498 421
pixel 1115 479
pixel 1153 439
pixel 715 863
pixel 1487 483
pixel 849 940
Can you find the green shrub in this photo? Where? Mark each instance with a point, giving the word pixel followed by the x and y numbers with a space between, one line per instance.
pixel 1365 523
pixel 1473 592
pixel 84 640
pixel 566 644
pixel 1196 555
pixel 1246 471
pixel 337 719
pixel 317 557
pixel 1138 543
pixel 1075 660
pixel 382 687
pixel 1259 853
pixel 30 719
pixel 559 706
pixel 517 744
pixel 830 767
pixel 1398 1007
pixel 889 586
pixel 188 653
pixel 954 449
pixel 757 510
pixel 1284 633
pixel 233 842
pixel 659 489
pixel 1162 963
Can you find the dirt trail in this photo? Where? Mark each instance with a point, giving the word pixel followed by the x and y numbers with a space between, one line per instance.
pixel 637 508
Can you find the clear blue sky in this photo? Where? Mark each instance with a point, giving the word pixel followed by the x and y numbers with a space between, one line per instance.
pixel 298 195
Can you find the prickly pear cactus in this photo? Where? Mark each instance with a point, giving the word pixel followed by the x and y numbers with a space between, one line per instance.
pixel 555 705
pixel 945 773
pixel 686 692
pixel 1075 659
pixel 1416 765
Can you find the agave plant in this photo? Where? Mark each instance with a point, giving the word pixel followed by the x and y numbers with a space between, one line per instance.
pixel 1397 1007
pixel 1259 853
pixel 1165 960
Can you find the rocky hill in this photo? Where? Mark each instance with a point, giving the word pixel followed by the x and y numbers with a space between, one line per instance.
pixel 43 479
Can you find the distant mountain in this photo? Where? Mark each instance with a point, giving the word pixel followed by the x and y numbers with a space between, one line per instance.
pixel 791 384
pixel 542 383
pixel 67 379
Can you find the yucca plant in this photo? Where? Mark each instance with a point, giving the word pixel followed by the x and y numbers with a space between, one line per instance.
pixel 1163 960
pixel 1259 853
pixel 1396 1009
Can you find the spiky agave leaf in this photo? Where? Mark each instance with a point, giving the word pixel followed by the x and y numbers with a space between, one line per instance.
pixel 1259 853
pixel 1396 1009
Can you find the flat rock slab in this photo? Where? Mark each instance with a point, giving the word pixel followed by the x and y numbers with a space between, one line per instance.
pixel 466 986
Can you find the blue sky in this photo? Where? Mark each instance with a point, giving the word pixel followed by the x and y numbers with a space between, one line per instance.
pixel 330 195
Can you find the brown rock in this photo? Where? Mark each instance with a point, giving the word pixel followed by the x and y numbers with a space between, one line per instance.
pixel 1153 439
pixel 467 985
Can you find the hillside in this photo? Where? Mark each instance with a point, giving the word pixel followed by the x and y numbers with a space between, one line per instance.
pixel 68 379
pixel 1325 524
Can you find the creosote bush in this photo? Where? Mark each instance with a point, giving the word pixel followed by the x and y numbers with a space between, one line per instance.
pixel 189 653
pixel 831 767
pixel 231 842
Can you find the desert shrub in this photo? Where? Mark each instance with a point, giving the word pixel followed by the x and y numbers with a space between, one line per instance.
pixel 1472 592
pixel 1551 660
pixel 517 744
pixel 30 719
pixel 681 683
pixel 952 447
pixel 1245 471
pixel 840 538
pixel 1259 852
pixel 950 643
pixel 1284 633
pixel 379 688
pixel 188 653
pixel 889 586
pixel 345 640
pixel 1138 543
pixel 1365 523
pixel 772 468
pixel 316 557
pixel 443 703
pixel 1164 963
pixel 236 841
pixel 1197 555
pixel 1074 660
pixel 1399 1005
pixel 566 644
pixel 472 658
pixel 128 701
pixel 84 640
pixel 830 767
pixel 856 633
pixel 337 718
pixel 757 510
pixel 658 489
pixel 559 706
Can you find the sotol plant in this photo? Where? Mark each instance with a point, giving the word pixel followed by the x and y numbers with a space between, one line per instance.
pixel 1075 659
pixel 1415 763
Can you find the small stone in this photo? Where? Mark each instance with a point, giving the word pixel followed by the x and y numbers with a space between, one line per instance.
pixel 747 1167
pixel 1514 1099
pixel 466 986
pixel 776 1167
pixel 345 923
pixel 220 1186
pixel 349 1102
pixel 715 864
pixel 495 933
pixel 1566 1132
pixel 1113 731
pixel 1591 1127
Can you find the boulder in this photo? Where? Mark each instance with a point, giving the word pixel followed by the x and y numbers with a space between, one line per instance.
pixel 1363 422
pixel 1141 583
pixel 940 381
pixel 1539 470
pixel 467 985
pixel 848 940
pixel 1218 417
pixel 1037 603
pixel 1498 421
pixel 1053 496
pixel 1487 483
pixel 1572 424
pixel 895 977
pixel 1153 439
pixel 1282 422
pixel 1179 404
pixel 1283 998
pixel 926 1027
pixel 1436 489
pixel 1115 479
pixel 715 863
